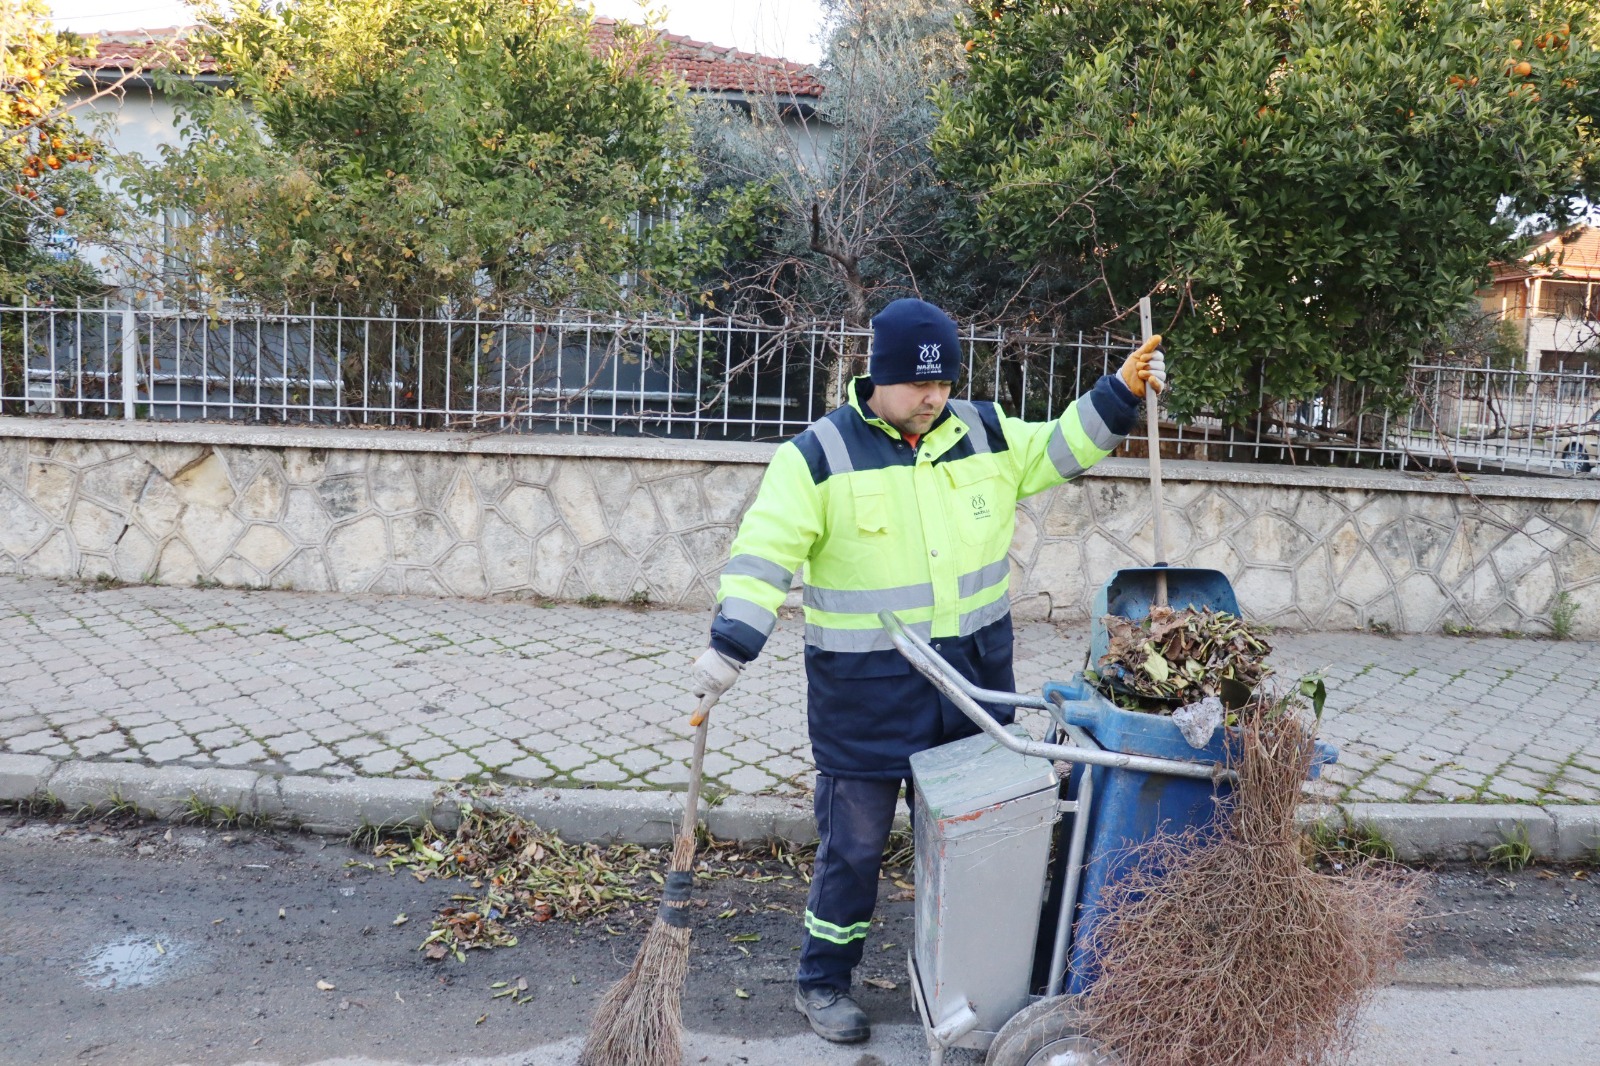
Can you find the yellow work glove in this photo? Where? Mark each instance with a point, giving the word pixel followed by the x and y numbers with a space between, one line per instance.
pixel 1146 364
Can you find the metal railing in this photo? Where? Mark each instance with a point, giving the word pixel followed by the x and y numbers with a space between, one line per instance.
pixel 708 378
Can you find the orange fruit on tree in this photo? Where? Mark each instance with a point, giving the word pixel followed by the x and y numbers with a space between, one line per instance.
pixel 60 211
pixel 1523 69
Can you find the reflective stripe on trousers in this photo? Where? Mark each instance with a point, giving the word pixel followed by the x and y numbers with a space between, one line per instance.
pixel 854 817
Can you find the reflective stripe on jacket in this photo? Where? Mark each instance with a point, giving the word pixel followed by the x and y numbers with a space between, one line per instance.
pixel 921 531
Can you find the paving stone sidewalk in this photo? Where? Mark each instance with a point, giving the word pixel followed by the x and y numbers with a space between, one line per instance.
pixel 570 695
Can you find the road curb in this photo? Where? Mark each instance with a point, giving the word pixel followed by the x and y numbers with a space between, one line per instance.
pixel 338 806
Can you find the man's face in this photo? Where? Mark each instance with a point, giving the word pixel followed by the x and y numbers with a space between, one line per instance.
pixel 910 406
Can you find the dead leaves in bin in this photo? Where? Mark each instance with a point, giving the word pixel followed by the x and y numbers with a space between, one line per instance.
pixel 1175 657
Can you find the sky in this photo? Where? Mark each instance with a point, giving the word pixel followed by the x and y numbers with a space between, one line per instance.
pixel 771 27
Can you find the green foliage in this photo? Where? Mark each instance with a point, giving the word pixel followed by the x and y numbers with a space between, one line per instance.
pixel 455 154
pixel 1314 687
pixel 1562 614
pixel 1349 843
pixel 830 216
pixel 46 159
pixel 1311 191
pixel 1515 850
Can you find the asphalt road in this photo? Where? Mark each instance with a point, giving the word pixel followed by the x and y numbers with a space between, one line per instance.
pixel 147 944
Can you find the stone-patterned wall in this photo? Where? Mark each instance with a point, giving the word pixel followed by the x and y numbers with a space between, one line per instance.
pixel 1327 549
pixel 437 514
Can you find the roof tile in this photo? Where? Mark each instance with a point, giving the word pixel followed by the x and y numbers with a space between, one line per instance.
pixel 705 67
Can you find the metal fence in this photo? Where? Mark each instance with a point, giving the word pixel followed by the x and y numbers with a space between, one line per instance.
pixel 708 378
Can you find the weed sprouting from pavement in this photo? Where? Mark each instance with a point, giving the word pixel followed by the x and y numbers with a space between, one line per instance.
pixel 368 835
pixel 197 810
pixel 1346 844
pixel 1515 850
pixel 37 805
pixel 1562 615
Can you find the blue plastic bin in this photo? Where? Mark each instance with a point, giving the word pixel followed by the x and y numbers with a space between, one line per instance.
pixel 1130 806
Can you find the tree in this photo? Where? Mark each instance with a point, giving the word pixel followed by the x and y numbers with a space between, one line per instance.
pixel 48 197
pixel 1311 190
pixel 426 155
pixel 830 216
pixel 847 196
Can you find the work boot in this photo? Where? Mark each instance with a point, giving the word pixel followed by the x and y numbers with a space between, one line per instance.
pixel 833 1015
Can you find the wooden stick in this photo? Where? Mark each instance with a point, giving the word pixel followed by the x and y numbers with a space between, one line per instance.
pixel 692 800
pixel 1152 425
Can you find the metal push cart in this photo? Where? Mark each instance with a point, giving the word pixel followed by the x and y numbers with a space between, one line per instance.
pixel 1012 856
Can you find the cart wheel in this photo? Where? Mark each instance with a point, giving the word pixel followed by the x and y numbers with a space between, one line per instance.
pixel 1049 1033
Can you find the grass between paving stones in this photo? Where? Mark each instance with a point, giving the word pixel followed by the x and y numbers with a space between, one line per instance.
pixel 513 873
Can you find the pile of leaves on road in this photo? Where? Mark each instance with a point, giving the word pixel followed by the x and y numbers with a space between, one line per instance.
pixel 1223 945
pixel 1179 656
pixel 518 873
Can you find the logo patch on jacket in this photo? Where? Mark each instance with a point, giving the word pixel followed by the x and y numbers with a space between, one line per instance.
pixel 980 507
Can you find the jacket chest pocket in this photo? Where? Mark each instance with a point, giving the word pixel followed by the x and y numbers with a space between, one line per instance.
pixel 871 505
pixel 979 498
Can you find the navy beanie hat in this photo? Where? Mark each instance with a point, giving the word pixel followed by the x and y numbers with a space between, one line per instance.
pixel 912 340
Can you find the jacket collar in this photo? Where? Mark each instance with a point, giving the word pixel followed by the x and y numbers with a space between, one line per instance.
pixel 946 429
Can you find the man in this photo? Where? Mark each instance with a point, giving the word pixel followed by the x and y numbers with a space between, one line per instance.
pixel 904 499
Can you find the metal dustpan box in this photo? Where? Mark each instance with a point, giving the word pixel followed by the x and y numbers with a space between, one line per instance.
pixel 983 826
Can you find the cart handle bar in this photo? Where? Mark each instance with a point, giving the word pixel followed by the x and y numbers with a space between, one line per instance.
pixel 931 665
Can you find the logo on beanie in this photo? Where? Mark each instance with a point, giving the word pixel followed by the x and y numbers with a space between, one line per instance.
pixel 928 357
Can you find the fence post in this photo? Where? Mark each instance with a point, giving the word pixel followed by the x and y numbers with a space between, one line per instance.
pixel 130 361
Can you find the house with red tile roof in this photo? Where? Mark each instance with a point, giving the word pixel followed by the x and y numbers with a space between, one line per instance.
pixel 139 118
pixel 704 67
pixel 1551 294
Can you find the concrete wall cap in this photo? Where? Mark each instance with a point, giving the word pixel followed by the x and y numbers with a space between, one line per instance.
pixel 666 449
pixel 328 438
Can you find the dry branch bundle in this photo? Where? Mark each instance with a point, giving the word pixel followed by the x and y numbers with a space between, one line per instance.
pixel 1224 946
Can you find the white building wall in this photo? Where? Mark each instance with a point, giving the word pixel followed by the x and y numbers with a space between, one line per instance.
pixel 137 120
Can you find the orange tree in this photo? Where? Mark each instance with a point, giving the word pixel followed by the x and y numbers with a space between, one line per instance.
pixel 1311 190
pixel 425 155
pixel 46 192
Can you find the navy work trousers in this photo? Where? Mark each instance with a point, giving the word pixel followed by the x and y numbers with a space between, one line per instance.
pixel 854 816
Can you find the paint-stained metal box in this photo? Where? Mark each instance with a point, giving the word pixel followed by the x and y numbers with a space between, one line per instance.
pixel 983 826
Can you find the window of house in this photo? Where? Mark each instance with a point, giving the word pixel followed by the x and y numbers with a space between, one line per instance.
pixel 1508 299
pixel 1563 299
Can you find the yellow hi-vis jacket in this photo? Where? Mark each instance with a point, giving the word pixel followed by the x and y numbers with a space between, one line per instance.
pixel 924 532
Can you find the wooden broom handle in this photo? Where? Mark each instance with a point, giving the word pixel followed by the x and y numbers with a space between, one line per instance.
pixel 1152 425
pixel 701 720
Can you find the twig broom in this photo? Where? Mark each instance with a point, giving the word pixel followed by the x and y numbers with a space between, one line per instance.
pixel 640 1020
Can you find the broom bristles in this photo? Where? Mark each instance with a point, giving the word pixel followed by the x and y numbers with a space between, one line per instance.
pixel 1226 948
pixel 639 1022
